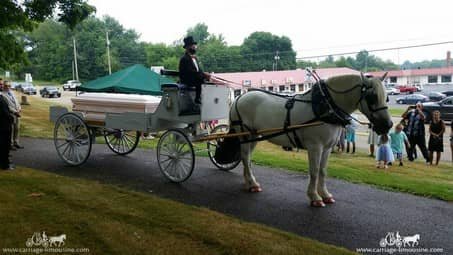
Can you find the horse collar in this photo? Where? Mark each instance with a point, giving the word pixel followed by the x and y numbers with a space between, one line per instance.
pixel 325 108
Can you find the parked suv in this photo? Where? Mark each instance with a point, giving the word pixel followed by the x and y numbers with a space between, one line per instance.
pixel 71 85
pixel 445 107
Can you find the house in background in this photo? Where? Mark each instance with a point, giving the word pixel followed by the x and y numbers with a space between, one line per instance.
pixel 288 81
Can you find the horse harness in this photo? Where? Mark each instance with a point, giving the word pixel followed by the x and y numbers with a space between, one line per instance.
pixel 323 107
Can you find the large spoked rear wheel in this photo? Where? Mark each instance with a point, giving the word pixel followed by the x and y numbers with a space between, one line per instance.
pixel 212 146
pixel 175 156
pixel 72 139
pixel 120 141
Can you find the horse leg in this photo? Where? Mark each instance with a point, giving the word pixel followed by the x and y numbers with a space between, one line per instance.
pixel 327 198
pixel 250 182
pixel 314 159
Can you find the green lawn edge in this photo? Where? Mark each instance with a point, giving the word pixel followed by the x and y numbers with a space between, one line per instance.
pixel 111 220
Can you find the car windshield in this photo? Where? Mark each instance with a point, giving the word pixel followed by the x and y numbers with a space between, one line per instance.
pixel 448 101
pixel 51 88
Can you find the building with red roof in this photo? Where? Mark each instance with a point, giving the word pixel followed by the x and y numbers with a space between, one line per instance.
pixel 427 76
pixel 291 81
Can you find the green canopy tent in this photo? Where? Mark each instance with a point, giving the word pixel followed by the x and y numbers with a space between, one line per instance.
pixel 136 79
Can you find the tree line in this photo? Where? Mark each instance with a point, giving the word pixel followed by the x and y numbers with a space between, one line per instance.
pixel 34 40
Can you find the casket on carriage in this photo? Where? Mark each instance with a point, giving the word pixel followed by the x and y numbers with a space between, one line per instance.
pixel 121 118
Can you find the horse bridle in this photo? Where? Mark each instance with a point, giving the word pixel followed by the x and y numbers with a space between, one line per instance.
pixel 365 93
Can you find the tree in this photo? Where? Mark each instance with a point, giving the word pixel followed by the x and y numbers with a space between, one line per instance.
pixel 24 15
pixel 51 49
pixel 199 32
pixel 260 49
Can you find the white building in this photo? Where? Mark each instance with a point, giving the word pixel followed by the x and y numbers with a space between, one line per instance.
pixel 431 76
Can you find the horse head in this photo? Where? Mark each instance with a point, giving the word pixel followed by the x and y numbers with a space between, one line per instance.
pixel 373 104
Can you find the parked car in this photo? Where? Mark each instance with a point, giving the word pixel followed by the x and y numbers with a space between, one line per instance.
pixel 14 85
pixel 412 99
pixel 28 89
pixel 448 93
pixel 50 91
pixel 445 107
pixel 407 89
pixel 18 87
pixel 71 85
pixel 392 90
pixel 435 96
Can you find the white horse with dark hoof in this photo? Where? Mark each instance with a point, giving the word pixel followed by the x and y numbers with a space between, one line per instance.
pixel 330 102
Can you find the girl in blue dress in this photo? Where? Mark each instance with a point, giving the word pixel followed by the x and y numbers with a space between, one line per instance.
pixel 384 154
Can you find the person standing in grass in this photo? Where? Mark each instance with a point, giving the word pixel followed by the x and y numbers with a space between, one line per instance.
pixel 15 109
pixel 6 122
pixel 398 139
pixel 416 130
pixel 384 154
pixel 436 133
pixel 372 139
pixel 350 135
pixel 451 140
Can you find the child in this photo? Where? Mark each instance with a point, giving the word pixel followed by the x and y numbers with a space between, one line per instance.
pixel 384 154
pixel 398 139
pixel 350 135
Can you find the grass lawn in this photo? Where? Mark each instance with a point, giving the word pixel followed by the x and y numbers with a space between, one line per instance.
pixel 396 112
pixel 110 220
pixel 414 177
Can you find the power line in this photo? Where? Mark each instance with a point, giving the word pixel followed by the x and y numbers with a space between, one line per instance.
pixel 377 50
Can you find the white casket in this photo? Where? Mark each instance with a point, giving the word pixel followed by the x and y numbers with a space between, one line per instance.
pixel 95 106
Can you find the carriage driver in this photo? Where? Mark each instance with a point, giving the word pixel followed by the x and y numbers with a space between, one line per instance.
pixel 190 72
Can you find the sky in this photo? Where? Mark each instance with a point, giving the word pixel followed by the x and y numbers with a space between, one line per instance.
pixel 316 27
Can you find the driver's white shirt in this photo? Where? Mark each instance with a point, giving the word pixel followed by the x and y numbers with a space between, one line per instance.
pixel 195 63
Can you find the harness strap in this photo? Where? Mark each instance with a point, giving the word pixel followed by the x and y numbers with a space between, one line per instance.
pixel 239 122
pixel 289 106
pixel 279 133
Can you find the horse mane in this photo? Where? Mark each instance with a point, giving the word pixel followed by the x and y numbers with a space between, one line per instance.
pixel 344 81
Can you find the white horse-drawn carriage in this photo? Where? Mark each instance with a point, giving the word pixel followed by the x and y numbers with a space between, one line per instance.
pixel 311 121
pixel 121 119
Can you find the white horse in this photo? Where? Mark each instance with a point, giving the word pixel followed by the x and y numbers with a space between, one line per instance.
pixel 411 240
pixel 257 110
pixel 54 240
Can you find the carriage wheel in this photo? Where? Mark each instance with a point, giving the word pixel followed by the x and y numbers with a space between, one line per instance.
pixel 212 146
pixel 175 156
pixel 72 139
pixel 121 141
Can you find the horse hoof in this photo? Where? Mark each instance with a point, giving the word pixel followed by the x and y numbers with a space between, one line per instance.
pixel 317 203
pixel 255 189
pixel 328 200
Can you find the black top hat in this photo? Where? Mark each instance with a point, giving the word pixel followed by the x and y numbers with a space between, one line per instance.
pixel 188 41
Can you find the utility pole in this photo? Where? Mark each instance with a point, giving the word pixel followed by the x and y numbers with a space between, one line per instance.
pixel 276 57
pixel 73 73
pixel 75 59
pixel 108 51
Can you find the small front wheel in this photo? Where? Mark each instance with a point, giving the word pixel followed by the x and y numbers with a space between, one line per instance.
pixel 175 156
pixel 121 141
pixel 212 147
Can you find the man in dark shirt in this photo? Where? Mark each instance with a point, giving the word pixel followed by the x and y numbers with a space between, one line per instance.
pixel 6 122
pixel 190 73
pixel 416 130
